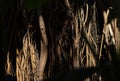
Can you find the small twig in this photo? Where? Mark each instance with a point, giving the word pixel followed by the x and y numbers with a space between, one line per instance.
pixel 101 45
pixel 86 17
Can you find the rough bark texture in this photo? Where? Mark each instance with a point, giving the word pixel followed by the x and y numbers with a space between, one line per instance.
pixel 62 35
